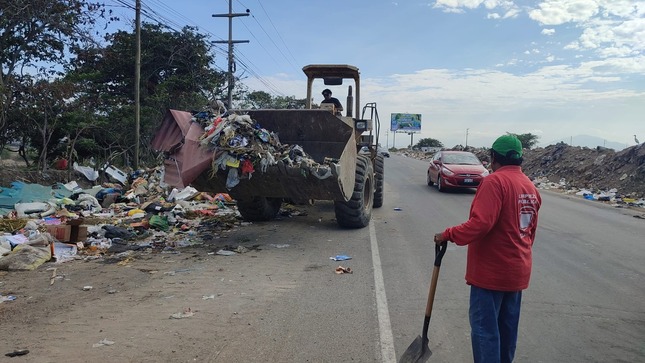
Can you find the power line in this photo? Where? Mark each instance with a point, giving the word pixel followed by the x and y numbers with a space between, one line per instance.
pixel 155 16
pixel 279 35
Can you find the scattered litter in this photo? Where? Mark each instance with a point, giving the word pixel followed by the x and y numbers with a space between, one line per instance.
pixel 343 270
pixel 204 297
pixel 340 258
pixel 53 277
pixel 102 343
pixel 241 249
pixel 64 252
pixel 7 298
pixel 17 353
pixel 87 288
pixel 225 253
pixel 185 314
pixel 284 245
pixel 398 209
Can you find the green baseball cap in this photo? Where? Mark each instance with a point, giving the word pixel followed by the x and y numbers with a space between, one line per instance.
pixel 509 146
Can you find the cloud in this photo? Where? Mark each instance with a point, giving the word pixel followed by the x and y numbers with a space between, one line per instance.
pixel 460 5
pixel 512 13
pixel 611 28
pixel 557 12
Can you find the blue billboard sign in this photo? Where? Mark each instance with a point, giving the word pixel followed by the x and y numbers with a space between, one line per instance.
pixel 405 122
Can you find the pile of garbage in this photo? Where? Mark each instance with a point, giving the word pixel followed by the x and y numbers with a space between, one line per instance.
pixel 597 170
pixel 242 146
pixel 65 222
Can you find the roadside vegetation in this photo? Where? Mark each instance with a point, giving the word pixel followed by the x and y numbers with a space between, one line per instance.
pixel 67 86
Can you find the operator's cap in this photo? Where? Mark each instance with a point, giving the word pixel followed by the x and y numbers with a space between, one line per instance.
pixel 509 146
pixel 326 91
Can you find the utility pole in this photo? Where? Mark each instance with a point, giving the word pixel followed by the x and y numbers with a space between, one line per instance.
pixel 230 42
pixel 466 139
pixel 137 86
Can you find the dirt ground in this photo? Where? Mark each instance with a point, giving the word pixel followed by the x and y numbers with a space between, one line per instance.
pixel 120 309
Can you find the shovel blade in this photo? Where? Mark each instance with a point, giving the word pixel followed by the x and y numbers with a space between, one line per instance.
pixel 417 352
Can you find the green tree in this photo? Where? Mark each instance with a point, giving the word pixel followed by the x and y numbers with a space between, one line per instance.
pixel 262 99
pixel 177 71
pixel 528 140
pixel 428 142
pixel 34 38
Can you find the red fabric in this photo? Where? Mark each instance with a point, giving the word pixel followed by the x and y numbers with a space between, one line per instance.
pixel 61 164
pixel 500 231
pixel 247 167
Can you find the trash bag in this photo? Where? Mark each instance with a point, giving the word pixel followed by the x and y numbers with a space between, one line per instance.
pixel 232 179
pixel 159 222
pixel 25 257
pixel 118 232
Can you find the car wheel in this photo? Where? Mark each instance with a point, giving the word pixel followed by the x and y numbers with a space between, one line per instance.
pixel 439 182
pixel 428 180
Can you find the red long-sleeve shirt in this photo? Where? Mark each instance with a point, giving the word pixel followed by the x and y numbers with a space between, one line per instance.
pixel 500 231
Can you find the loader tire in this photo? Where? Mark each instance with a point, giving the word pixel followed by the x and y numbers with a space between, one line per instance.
pixel 379 176
pixel 257 209
pixel 357 212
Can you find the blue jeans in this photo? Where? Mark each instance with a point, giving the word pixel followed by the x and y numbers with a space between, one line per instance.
pixel 494 317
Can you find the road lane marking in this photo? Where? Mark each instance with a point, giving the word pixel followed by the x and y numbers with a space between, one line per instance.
pixel 385 328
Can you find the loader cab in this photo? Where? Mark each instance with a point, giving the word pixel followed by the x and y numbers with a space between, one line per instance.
pixel 339 75
pixel 334 75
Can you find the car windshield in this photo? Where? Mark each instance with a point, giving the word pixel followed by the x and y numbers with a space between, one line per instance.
pixel 461 159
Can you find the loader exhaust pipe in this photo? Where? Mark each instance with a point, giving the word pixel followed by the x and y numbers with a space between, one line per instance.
pixel 350 102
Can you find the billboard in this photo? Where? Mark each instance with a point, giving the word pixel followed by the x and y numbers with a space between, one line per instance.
pixel 405 122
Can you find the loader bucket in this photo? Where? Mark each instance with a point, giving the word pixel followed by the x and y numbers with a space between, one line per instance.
pixel 321 135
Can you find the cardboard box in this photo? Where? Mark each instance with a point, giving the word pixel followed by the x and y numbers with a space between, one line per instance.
pixel 67 233
pixel 61 232
pixel 78 233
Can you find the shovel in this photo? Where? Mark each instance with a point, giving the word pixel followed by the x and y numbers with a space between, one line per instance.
pixel 418 351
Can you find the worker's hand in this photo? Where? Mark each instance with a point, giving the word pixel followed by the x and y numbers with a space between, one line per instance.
pixel 438 238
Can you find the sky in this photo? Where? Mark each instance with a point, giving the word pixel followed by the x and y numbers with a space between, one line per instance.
pixel 473 69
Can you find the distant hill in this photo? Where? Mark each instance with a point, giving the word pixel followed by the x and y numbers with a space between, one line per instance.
pixel 590 142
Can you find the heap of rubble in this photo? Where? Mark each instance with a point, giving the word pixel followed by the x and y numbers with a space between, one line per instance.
pixel 598 169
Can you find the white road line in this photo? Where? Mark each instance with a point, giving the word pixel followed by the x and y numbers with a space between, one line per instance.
pixel 385 328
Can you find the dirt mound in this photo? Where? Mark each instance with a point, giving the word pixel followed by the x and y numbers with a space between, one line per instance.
pixel 598 169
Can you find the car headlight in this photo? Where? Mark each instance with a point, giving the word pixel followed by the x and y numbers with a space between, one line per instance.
pixel 446 171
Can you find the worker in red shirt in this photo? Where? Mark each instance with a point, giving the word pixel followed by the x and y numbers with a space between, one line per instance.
pixel 499 233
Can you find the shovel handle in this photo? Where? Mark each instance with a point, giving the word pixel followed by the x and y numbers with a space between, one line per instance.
pixel 440 250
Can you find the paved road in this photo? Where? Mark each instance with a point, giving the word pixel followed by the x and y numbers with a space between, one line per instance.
pixel 586 302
